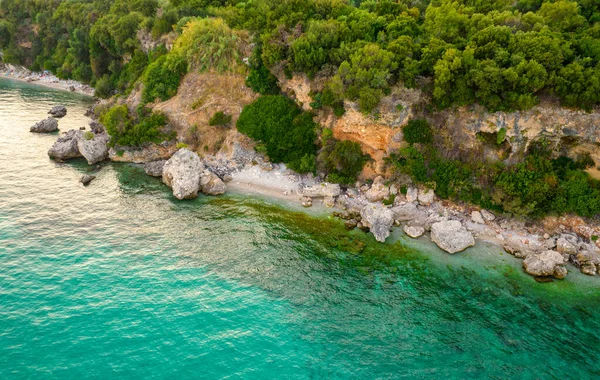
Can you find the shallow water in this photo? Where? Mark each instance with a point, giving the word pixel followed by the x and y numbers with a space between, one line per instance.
pixel 120 280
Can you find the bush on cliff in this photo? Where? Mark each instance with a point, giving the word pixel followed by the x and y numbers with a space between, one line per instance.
pixel 287 133
pixel 126 130
pixel 341 161
pixel 162 77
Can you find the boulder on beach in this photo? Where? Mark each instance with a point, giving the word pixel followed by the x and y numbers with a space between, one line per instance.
pixel 451 236
pixel 413 231
pixel 96 127
pixel 426 197
pixel 93 147
pixel 378 192
pixel 322 190
pixel 182 174
pixel 405 212
pixel 211 184
pixel 58 111
pixel 155 168
pixel 45 126
pixel 547 263
pixel 379 219
pixel 66 146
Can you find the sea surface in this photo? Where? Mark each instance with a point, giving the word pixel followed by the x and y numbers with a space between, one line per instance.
pixel 120 280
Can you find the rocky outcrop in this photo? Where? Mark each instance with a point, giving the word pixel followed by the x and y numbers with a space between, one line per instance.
pixel 379 219
pixel 322 190
pixel 65 147
pixel 182 174
pixel 58 111
pixel 451 236
pixel 405 212
pixel 93 147
pixel 96 127
pixel 155 168
pixel 522 246
pixel 211 184
pixel 476 217
pixel 547 263
pixel 45 126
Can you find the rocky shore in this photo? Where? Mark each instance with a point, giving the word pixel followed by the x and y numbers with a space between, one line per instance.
pixel 549 249
pixel 45 79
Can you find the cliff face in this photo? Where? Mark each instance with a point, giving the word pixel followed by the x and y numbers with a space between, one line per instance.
pixel 470 133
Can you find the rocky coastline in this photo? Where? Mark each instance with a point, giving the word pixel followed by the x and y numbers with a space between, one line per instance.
pixel 45 79
pixel 549 249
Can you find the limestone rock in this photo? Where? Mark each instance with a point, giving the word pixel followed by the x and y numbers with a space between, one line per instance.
pixel 547 263
pixel 329 202
pixel 589 269
pixel 211 184
pixel 413 231
pixel 567 245
pixel 93 146
pixel 426 197
pixel 45 126
pixel 322 190
pixel 405 212
pixel 155 168
pixel 182 174
pixel 58 111
pixel 412 194
pixel 522 246
pixel 96 127
pixel 476 217
pixel 451 236
pixel 306 201
pixel 488 216
pixel 66 146
pixel 379 219
pixel 377 192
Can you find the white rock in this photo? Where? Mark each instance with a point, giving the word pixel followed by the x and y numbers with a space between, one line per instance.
pixel 211 184
pixel 563 245
pixel 451 236
pixel 477 218
pixel 547 263
pixel 413 231
pixel 377 192
pixel 379 219
pixel 322 190
pixel 426 197
pixel 488 216
pixel 182 174
pixel 412 194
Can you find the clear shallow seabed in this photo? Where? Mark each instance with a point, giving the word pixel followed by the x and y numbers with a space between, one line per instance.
pixel 120 280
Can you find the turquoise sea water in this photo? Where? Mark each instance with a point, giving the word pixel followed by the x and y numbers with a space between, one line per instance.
pixel 119 280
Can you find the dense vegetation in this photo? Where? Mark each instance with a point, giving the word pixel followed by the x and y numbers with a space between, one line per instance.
pixel 126 129
pixel 537 186
pixel 503 54
pixel 340 161
pixel 287 133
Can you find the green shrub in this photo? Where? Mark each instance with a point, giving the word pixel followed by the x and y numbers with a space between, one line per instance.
pixel 124 130
pixel 220 119
pixel 260 79
pixel 181 145
pixel 88 135
pixel 417 131
pixel 162 78
pixel 341 161
pixel 501 136
pixel 287 133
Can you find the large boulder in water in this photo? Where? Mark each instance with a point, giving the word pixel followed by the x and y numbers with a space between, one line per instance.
pixel 66 146
pixel 58 111
pixel 182 174
pixel 547 263
pixel 451 236
pixel 45 126
pixel 379 219
pixel 211 184
pixel 93 146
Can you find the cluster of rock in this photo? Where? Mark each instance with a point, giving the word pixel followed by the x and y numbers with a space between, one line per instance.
pixel 50 124
pixel 186 175
pixel 75 143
